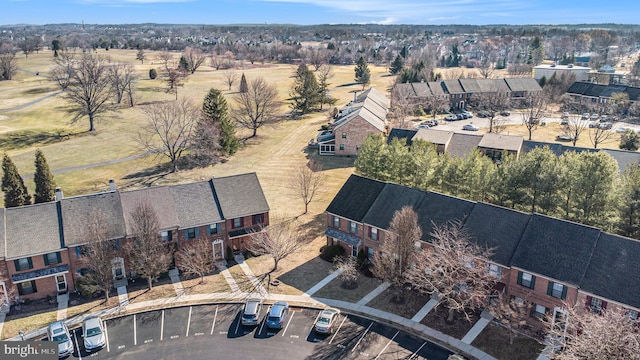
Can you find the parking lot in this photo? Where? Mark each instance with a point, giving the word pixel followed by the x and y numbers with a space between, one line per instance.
pixel 207 331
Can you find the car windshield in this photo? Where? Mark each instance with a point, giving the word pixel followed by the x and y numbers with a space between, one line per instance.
pixel 274 318
pixel 323 321
pixel 93 332
pixel 61 338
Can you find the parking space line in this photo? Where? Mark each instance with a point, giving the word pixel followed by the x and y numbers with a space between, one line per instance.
pixel 135 334
pixel 106 334
pixel 362 337
pixel 389 343
pixel 162 326
pixel 189 321
pixel 417 351
pixel 238 325
pixel 263 320
pixel 75 338
pixel 339 327
pixel 289 322
pixel 314 323
pixel 214 320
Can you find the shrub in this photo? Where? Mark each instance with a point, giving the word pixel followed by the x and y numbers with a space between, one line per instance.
pixel 229 254
pixel 86 287
pixel 330 252
pixel 153 74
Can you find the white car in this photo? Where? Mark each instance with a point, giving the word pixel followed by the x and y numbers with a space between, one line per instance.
pixel 470 127
pixel 93 334
pixel 325 321
pixel 59 333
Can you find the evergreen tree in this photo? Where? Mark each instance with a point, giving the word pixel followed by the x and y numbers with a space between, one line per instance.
pixel 45 187
pixel 184 65
pixel 216 111
pixel 629 203
pixel 370 161
pixel 403 52
pixel 15 193
pixel 397 65
pixel 243 84
pixel 363 74
pixel 305 93
pixel 629 140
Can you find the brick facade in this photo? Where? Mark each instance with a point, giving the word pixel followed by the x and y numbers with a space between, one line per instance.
pixel 350 136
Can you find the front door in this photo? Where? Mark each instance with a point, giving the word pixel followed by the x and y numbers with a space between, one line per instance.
pixel 117 269
pixel 560 319
pixel 61 283
pixel 217 249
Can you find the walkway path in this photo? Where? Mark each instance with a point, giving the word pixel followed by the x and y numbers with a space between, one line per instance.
pixel 19 107
pixel 123 297
pixel 323 282
pixel 425 310
pixel 174 275
pixel 228 278
pixel 377 291
pixel 472 334
pixel 63 303
pixel 250 275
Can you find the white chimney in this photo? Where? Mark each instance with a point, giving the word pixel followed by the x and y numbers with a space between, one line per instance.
pixel 112 185
pixel 59 195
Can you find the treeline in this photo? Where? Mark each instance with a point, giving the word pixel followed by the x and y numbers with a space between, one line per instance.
pixel 584 187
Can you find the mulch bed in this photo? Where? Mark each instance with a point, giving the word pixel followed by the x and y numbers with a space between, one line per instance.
pixel 437 319
pixel 33 306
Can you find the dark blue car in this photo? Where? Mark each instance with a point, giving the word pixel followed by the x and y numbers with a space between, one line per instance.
pixel 277 314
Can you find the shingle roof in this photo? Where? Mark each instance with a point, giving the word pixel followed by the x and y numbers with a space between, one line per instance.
pixel 470 85
pixel 556 248
pixel 579 87
pixel 613 270
pixel 371 106
pixel 343 236
pixel 436 88
pixel 624 158
pixel 493 85
pixel 495 227
pixel 438 209
pixel 240 195
pixel 523 84
pixel 421 89
pixel 502 142
pixel 3 243
pixel 438 137
pixel 76 212
pixel 462 144
pixel 32 229
pixel 392 198
pixel 355 197
pixel 160 200
pixel 453 86
pixel 401 134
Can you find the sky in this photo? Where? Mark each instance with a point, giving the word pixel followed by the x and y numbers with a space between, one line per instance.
pixel 310 12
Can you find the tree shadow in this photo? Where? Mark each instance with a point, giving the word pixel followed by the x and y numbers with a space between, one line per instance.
pixel 147 177
pixel 38 91
pixel 22 139
pixel 328 162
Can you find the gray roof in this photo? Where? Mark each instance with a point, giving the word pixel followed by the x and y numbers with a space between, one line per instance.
pixel 502 142
pixel 421 89
pixel 556 248
pixel 624 158
pixel 453 86
pixel 436 88
pixel 343 236
pixel 404 135
pixel 437 209
pixel 497 228
pixel 439 137
pixel 392 198
pixel 462 144
pixel 613 270
pixel 194 204
pixel 355 197
pixel 493 85
pixel 160 200
pixel 76 212
pixel 470 85
pixel 240 195
pixel 32 229
pixel 523 84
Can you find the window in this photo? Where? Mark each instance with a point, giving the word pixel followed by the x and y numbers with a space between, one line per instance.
pixel 539 311
pixel 167 235
pixel 373 233
pixel 190 233
pixel 27 287
pixel 353 227
pixel 258 219
pixel 341 146
pixel 117 244
pixel 632 314
pixel 370 253
pixel 596 305
pixel 335 221
pixel 23 264
pixel 213 229
pixel 354 251
pixel 344 135
pixel 526 280
pixel 237 223
pixel 557 290
pixel 494 270
pixel 52 258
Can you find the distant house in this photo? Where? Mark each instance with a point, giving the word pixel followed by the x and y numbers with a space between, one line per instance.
pixel 548 70
pixel 595 95
pixel 548 262
pixel 366 114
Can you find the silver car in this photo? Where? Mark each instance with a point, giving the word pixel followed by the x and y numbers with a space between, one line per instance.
pixel 59 333
pixel 325 321
pixel 93 334
pixel 251 312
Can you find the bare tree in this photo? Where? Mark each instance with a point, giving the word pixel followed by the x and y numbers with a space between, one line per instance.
pixel 195 57
pixel 89 87
pixel 167 59
pixel 61 73
pixel 535 111
pixel 216 61
pixel 257 106
pixel 581 334
pixel 453 269
pixel 575 127
pixel 599 134
pixel 196 258
pixel 8 63
pixel 348 265
pixel 486 68
pixel 147 255
pixel 306 181
pixel 98 252
pixel 510 312
pixel 140 55
pixel 7 294
pixel 437 104
pixel 318 58
pixel 492 103
pixel 168 131
pixel 230 77
pixel 278 240
pixel 402 105
pixel 123 76
pixel 393 261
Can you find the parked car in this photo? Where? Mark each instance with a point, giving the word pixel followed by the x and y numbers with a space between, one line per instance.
pixel 467 115
pixel 460 117
pixel 470 127
pixel 505 113
pixel 604 118
pixel 251 312
pixel 564 137
pixel 585 116
pixel 277 314
pixel 564 121
pixel 59 333
pixel 565 115
pixel 430 123
pixel 451 118
pixel 93 334
pixel 325 321
pixel 482 114
pixel 422 126
pixel 594 116
pixel 621 130
pixel 605 126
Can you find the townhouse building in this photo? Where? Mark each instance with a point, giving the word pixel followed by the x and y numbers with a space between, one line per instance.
pixel 43 244
pixel 548 262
